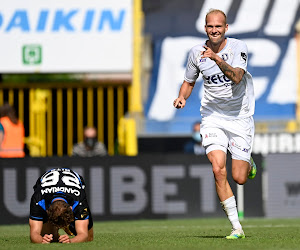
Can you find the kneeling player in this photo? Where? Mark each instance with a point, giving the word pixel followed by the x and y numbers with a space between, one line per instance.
pixel 59 201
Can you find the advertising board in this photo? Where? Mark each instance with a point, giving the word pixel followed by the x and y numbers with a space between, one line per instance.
pixel 122 188
pixel 66 36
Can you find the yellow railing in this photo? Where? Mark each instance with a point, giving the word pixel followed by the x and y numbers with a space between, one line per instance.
pixel 127 136
pixel 135 101
pixel 37 126
pixel 298 70
pixel 54 117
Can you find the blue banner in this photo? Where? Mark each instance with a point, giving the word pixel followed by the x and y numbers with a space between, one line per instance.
pixel 267 27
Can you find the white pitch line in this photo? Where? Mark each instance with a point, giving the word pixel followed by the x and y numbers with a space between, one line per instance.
pixel 223 226
pixel 280 225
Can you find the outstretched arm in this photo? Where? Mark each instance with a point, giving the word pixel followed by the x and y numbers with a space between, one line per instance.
pixel 234 74
pixel 184 93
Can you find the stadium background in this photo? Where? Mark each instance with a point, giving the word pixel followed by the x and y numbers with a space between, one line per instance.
pixel 118 65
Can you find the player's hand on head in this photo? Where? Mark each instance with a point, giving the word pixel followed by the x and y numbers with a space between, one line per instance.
pixel 47 238
pixel 64 239
pixel 179 103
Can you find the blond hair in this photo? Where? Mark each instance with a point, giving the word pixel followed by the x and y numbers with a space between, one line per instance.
pixel 216 11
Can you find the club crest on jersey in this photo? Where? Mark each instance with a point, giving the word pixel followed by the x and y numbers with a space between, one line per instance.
pixel 224 56
pixel 202 60
pixel 243 56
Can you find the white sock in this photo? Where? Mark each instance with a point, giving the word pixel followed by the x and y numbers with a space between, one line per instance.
pixel 229 206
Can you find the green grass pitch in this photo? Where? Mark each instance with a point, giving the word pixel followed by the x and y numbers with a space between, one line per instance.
pixel 171 234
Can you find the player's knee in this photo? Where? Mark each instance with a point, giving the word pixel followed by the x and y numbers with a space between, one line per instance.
pixel 240 179
pixel 219 171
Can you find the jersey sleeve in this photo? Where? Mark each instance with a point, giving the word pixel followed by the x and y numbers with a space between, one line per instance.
pixel 82 210
pixel 240 57
pixel 36 211
pixel 191 70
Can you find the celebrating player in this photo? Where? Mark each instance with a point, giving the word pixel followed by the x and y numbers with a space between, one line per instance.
pixel 227 108
pixel 59 201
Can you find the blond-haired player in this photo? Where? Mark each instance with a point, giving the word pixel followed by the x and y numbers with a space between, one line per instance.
pixel 227 108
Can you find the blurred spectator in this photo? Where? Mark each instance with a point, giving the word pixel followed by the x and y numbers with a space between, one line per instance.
pixel 11 133
pixel 90 146
pixel 194 146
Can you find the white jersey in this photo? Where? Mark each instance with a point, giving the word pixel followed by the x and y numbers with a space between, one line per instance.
pixel 223 98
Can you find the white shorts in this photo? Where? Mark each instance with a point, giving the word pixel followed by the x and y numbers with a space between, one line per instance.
pixel 234 135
